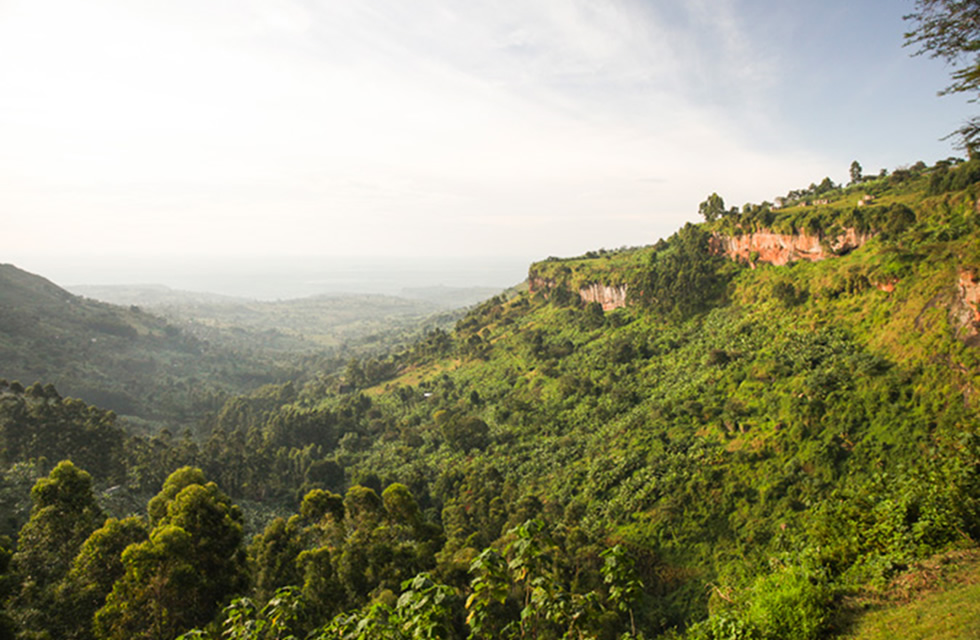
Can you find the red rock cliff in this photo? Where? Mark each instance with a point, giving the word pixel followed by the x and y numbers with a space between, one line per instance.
pixel 762 246
pixel 782 248
pixel 610 297
pixel 965 310
pixel 969 290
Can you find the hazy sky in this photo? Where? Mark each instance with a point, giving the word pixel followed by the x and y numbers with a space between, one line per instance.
pixel 521 128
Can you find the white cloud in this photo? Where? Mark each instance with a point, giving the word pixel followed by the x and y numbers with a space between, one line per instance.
pixel 377 126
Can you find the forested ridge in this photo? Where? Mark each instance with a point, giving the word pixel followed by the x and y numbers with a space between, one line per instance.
pixel 729 455
pixel 120 357
pixel 170 365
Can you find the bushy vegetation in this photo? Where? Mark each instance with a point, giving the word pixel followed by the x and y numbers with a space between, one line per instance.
pixel 725 457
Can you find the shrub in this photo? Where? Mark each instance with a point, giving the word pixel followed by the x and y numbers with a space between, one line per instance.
pixel 790 604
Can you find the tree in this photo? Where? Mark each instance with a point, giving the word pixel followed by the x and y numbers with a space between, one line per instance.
pixel 466 433
pixel 273 555
pixel 856 172
pixel 94 571
pixel 400 505
pixel 6 588
pixel 521 594
pixel 826 185
pixel 157 597
pixel 684 279
pixel 619 574
pixel 63 515
pixel 950 30
pixel 190 566
pixel 712 208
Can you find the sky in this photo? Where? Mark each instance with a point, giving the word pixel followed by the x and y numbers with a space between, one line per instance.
pixel 196 132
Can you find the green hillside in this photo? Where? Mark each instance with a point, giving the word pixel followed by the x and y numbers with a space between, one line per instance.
pixel 169 358
pixel 816 415
pixel 117 357
pixel 719 448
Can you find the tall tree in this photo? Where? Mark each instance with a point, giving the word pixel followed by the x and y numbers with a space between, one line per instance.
pixel 950 30
pixel 94 571
pixel 63 515
pixel 712 208
pixel 190 566
pixel 685 278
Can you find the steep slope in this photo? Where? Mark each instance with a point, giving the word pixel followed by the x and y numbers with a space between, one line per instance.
pixel 818 415
pixel 745 442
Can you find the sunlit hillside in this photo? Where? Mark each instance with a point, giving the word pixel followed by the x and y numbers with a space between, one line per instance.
pixel 730 433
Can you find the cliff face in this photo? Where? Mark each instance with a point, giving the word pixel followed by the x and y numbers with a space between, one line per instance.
pixel 753 248
pixel 780 248
pixel 970 293
pixel 965 310
pixel 610 297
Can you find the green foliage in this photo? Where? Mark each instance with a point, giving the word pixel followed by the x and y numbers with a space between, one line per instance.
pixel 341 552
pixel 522 593
pixel 279 619
pixel 422 612
pixel 191 563
pixel 465 433
pixel 37 422
pixel 625 587
pixel 63 515
pixel 712 208
pixel 687 277
pixel 725 417
pixel 157 596
pixel 945 178
pixel 790 604
pixel 93 573
pixel 787 293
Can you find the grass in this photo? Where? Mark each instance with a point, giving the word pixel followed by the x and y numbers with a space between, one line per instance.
pixel 938 599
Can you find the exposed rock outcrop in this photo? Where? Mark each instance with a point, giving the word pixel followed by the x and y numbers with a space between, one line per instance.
pixel 965 310
pixel 609 296
pixel 970 293
pixel 782 248
pixel 761 246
